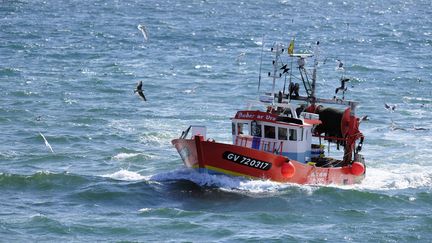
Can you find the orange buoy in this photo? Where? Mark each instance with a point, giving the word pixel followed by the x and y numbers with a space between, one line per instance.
pixel 357 168
pixel 288 170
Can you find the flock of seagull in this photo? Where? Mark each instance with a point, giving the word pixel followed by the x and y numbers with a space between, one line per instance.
pixel 140 91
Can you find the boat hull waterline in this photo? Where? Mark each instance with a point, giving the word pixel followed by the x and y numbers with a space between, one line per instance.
pixel 220 158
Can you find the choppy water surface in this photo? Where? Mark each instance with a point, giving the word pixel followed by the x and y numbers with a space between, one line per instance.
pixel 68 70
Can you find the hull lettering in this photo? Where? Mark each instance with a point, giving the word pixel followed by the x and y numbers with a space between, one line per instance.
pixel 247 161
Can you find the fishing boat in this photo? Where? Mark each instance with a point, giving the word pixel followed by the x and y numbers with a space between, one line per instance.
pixel 284 139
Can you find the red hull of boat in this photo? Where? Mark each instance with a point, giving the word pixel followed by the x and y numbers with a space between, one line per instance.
pixel 242 161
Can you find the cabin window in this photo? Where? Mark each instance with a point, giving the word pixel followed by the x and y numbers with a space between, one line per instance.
pixel 243 128
pixel 255 129
pixel 233 129
pixel 293 134
pixel 301 136
pixel 269 132
pixel 282 133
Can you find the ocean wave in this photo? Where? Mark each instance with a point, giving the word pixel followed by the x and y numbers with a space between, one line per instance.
pixel 396 178
pixel 9 154
pixel 122 125
pixel 43 180
pixel 417 99
pixel 168 212
pixel 9 71
pixel 48 223
pixel 229 183
pixel 204 66
pixel 125 175
pixel 401 177
pixel 126 156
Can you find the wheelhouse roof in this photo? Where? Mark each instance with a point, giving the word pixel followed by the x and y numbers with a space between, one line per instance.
pixel 249 115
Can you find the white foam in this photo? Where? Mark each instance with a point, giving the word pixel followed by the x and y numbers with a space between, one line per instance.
pixel 8 154
pixel 205 66
pixel 125 175
pixel 417 98
pixel 155 139
pixel 190 91
pixel 384 178
pixel 397 178
pixel 70 101
pixel 123 156
pixel 122 125
pixel 227 183
pixel 203 179
pixel 144 210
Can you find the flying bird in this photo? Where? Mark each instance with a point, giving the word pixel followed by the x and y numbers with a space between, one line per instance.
pixel 285 68
pixel 340 65
pixel 342 87
pixel 46 142
pixel 140 91
pixel 144 31
pixel 420 128
pixel 364 118
pixel 390 108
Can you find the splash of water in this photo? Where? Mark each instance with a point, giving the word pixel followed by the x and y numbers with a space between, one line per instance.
pixel 227 183
pixel 377 179
pixel 398 178
pixel 125 175
pixel 123 156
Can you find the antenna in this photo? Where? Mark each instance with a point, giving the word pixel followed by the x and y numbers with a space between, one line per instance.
pixel 314 74
pixel 291 70
pixel 278 51
pixel 259 77
pixel 343 79
pixel 345 53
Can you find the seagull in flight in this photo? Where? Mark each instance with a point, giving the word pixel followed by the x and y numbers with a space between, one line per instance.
pixel 143 30
pixel 390 108
pixel 340 65
pixel 420 128
pixel 364 118
pixel 46 142
pixel 285 68
pixel 140 91
pixel 342 87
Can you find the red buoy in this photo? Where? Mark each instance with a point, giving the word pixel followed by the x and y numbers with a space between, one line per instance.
pixel 288 170
pixel 357 168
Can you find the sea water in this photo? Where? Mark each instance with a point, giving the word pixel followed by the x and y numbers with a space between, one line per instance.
pixel 68 70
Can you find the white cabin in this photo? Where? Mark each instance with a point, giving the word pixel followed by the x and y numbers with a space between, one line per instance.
pixel 288 136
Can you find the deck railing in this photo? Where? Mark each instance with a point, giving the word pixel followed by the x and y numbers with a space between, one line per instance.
pixel 264 144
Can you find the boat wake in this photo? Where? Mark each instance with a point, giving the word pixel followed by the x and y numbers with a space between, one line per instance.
pixel 397 179
pixel 222 182
pixel 377 180
pixel 227 183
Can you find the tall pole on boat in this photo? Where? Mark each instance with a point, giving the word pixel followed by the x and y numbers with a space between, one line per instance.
pixel 275 70
pixel 259 77
pixel 314 74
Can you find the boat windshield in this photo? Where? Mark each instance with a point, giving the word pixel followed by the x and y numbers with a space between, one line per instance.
pixel 243 128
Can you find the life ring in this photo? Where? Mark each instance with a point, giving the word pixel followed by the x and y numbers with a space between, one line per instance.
pixel 210 140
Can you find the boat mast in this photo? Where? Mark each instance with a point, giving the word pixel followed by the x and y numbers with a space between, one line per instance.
pixel 314 74
pixel 259 77
pixel 278 51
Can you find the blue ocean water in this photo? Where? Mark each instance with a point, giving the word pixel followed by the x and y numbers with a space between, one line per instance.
pixel 68 70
